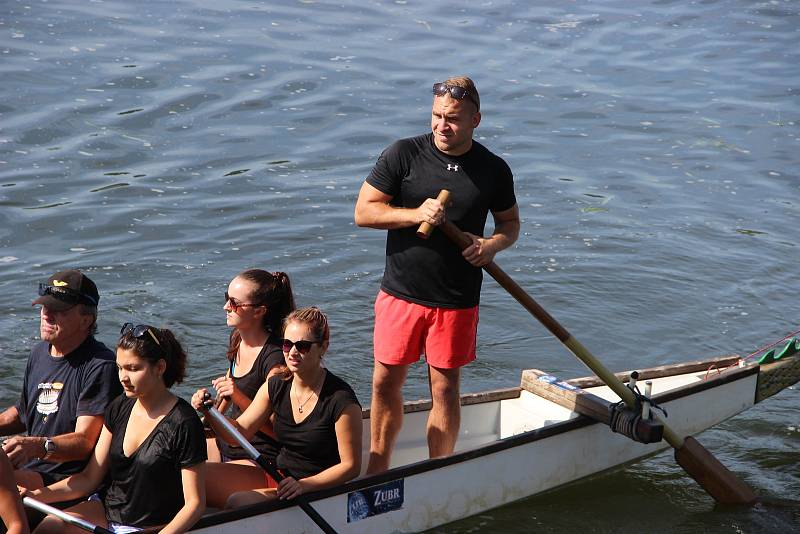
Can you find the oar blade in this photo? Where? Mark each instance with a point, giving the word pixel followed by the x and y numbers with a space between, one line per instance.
pixel 712 476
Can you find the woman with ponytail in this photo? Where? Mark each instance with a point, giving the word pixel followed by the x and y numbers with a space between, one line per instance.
pixel 316 414
pixel 256 304
pixel 151 449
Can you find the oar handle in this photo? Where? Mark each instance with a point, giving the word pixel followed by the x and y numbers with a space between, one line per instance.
pixel 268 466
pixel 425 229
pixel 30 502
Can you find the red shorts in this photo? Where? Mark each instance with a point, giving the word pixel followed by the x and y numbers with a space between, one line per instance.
pixel 405 330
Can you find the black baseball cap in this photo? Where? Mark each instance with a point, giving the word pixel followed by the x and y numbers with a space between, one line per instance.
pixel 65 289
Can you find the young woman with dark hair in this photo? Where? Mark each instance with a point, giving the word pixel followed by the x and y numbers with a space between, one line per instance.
pixel 151 449
pixel 256 303
pixel 316 415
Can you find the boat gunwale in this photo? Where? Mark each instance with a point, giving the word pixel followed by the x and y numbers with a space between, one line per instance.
pixel 499 445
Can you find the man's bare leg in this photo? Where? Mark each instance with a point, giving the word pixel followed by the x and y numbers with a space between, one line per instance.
pixel 444 420
pixel 386 414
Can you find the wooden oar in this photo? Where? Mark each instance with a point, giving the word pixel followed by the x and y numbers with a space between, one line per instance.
pixel 425 229
pixel 30 502
pixel 269 467
pixel 700 464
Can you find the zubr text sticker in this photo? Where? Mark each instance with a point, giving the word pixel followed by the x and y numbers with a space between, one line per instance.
pixel 374 500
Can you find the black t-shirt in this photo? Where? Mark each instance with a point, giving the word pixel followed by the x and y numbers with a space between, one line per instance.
pixel 310 446
pixel 146 489
pixel 270 356
pixel 58 390
pixel 433 272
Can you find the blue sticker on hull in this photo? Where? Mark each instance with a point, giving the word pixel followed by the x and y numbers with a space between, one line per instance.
pixel 375 500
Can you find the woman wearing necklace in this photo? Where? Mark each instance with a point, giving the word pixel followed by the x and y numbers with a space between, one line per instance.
pixel 151 449
pixel 256 303
pixel 316 415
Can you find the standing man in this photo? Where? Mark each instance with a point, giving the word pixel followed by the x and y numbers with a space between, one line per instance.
pixel 428 301
pixel 69 379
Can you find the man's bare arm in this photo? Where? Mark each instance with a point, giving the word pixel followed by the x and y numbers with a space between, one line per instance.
pixel 76 445
pixel 10 423
pixel 374 211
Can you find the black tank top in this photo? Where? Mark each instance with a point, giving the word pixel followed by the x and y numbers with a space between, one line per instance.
pixel 270 356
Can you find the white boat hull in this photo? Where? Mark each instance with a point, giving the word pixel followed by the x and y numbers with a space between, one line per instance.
pixel 508 449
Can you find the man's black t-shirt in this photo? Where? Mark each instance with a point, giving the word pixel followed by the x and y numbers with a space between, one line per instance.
pixel 58 390
pixel 433 272
pixel 309 446
pixel 146 488
pixel 270 356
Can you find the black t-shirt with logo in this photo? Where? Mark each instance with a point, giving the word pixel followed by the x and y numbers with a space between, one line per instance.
pixel 146 488
pixel 309 446
pixel 433 272
pixel 58 390
pixel 270 356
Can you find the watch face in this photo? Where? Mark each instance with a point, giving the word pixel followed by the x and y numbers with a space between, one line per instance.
pixel 49 445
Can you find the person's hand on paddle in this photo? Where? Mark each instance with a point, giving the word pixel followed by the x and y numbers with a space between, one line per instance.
pixel 201 400
pixel 22 449
pixel 431 211
pixel 225 387
pixel 480 252
pixel 289 488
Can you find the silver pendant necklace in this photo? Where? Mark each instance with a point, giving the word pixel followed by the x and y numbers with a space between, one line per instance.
pixel 313 390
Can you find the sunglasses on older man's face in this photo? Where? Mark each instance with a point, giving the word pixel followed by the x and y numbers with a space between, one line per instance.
pixel 459 93
pixel 138 331
pixel 303 346
pixel 64 294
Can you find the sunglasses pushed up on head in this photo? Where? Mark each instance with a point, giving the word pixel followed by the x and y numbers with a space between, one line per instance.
pixel 139 331
pixel 459 93
pixel 65 294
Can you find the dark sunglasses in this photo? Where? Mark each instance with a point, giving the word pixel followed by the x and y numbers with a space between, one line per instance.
pixel 303 346
pixel 236 305
pixel 64 294
pixel 459 93
pixel 138 331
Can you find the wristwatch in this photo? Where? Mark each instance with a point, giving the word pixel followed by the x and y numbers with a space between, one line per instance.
pixel 49 447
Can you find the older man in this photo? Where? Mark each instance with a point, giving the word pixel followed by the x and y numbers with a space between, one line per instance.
pixel 428 302
pixel 69 379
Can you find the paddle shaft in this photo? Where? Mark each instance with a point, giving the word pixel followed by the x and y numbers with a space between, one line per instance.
pixel 30 502
pixel 714 477
pixel 269 467
pixel 463 241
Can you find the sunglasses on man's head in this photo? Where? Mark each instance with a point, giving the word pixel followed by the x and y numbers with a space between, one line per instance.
pixel 138 331
pixel 303 346
pixel 459 93
pixel 235 305
pixel 65 294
